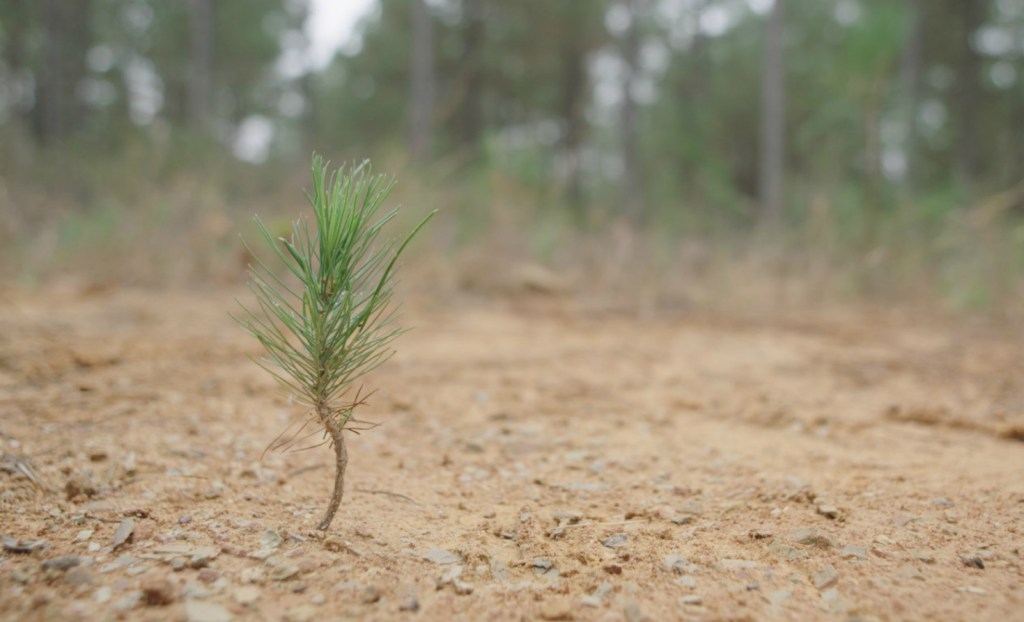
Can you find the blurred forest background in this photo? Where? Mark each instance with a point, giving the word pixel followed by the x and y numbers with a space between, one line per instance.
pixel 680 152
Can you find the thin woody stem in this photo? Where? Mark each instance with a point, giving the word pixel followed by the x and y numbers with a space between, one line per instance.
pixel 341 461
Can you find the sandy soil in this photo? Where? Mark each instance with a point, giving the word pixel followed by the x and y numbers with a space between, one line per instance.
pixel 533 462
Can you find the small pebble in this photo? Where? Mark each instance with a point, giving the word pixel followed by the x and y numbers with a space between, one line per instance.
pixel 590 600
pixel 129 601
pixel 124 532
pixel 409 603
pixel 270 539
pixel 369 595
pixel 828 510
pixel 826 577
pixel 284 572
pixel 202 611
pixel 972 562
pixel 442 557
pixel 676 563
pixel 811 536
pixel 202 556
pixel 247 595
pixel 62 563
pixel 615 541
pixel 78 576
pixel 687 582
pixel 923 556
pixel 301 613
pixel 559 609
pixel 542 563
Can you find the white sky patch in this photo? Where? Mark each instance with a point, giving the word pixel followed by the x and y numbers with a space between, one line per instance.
pixel 145 90
pixel 760 6
pixel 716 21
pixel 331 27
pixel 253 139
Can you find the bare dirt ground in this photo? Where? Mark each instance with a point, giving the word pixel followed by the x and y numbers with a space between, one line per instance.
pixel 533 462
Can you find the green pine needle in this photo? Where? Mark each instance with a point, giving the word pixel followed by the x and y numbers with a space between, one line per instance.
pixel 337 323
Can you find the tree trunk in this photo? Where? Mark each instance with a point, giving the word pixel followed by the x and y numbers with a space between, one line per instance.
pixel 200 63
pixel 48 113
pixel 573 88
pixel 421 131
pixel 67 36
pixel 910 79
pixel 692 90
pixel 968 89
pixel 470 121
pixel 773 110
pixel 632 194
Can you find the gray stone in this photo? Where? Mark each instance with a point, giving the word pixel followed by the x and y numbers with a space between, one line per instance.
pixel 247 595
pixel 129 601
pixel 409 603
pixel 828 511
pixel 972 561
pixel 285 572
pixel 78 576
pixel 442 557
pixel 369 595
pixel 811 537
pixel 124 532
pixel 202 556
pixel 676 563
pixel 62 563
pixel 614 542
pixel 738 564
pixel 590 600
pixel 826 577
pixel 270 539
pixel 543 564
pixel 923 556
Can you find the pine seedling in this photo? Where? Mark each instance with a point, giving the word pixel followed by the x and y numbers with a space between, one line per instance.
pixel 333 322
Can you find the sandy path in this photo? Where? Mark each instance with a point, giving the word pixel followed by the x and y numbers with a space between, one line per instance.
pixel 570 466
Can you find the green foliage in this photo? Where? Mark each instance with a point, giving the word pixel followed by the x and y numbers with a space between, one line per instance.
pixel 336 324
